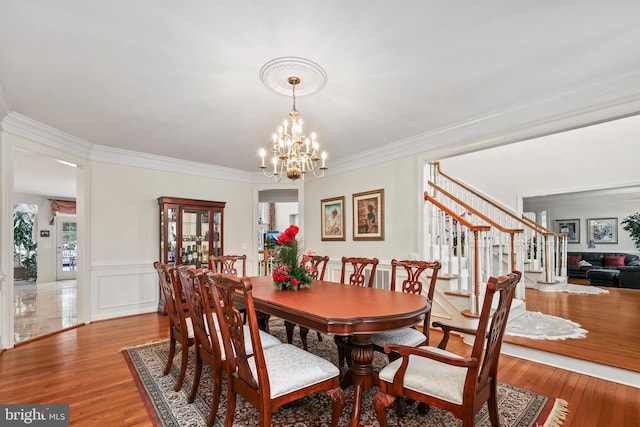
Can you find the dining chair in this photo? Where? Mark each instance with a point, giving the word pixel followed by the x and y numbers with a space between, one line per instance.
pixel 180 324
pixel 270 377
pixel 413 273
pixel 229 264
pixel 208 345
pixel 437 377
pixel 318 264
pixel 357 267
pixel 268 261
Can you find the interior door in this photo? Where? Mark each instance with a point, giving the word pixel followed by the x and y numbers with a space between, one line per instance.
pixel 67 247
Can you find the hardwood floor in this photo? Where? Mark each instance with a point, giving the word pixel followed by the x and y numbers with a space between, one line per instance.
pixel 84 368
pixel 613 322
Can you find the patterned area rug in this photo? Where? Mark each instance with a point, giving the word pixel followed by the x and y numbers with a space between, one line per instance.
pixel 540 326
pixel 517 407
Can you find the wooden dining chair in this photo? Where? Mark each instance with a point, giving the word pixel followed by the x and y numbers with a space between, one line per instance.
pixel 229 264
pixel 268 261
pixel 180 324
pixel 270 377
pixel 318 265
pixel 207 335
pixel 414 273
pixel 208 344
pixel 434 376
pixel 357 268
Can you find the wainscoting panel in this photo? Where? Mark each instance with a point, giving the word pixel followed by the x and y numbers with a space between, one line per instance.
pixel 123 290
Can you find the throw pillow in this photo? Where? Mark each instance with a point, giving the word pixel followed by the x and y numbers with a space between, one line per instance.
pixel 613 261
pixel 584 263
pixel 573 259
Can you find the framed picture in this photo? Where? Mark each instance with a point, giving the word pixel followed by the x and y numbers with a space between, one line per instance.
pixel 368 215
pixel 602 230
pixel 570 227
pixel 332 214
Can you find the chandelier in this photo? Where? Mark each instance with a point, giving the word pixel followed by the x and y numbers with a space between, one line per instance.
pixel 293 153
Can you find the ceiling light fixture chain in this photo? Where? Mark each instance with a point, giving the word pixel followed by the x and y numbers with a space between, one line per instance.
pixel 293 153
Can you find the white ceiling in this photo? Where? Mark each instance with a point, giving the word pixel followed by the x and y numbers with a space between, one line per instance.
pixel 181 79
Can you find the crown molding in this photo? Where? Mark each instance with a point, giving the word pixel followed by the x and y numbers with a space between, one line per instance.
pixel 611 97
pixel 168 164
pixel 25 127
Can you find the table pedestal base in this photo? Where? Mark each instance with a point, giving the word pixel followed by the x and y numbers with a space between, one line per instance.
pixel 360 373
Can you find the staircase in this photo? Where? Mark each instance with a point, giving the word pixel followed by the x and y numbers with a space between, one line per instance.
pixel 474 238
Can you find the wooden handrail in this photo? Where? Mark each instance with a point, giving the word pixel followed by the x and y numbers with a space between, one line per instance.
pixel 475 211
pixel 526 221
pixel 462 220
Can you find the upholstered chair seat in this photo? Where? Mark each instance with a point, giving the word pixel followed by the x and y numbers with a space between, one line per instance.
pixel 428 376
pixel 407 336
pixel 291 368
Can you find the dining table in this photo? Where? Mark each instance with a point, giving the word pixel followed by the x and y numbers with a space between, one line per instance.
pixel 343 310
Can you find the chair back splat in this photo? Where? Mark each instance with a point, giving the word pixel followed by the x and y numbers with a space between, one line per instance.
pixel 457 384
pixel 229 264
pixel 358 268
pixel 273 376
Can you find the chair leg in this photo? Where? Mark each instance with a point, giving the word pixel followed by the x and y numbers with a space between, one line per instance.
pixel 183 366
pixel 196 378
pixel 303 336
pixel 231 406
pixel 217 391
pixel 492 404
pixel 381 401
pixel 172 353
pixel 337 405
pixel 319 336
pixel 290 327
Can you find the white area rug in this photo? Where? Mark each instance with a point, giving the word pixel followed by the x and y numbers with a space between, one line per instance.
pixel 540 326
pixel 575 289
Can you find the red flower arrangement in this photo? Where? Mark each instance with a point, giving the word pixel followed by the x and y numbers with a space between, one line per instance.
pixel 289 273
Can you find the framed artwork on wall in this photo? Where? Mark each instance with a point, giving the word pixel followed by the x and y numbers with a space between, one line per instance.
pixel 602 230
pixel 368 215
pixel 570 227
pixel 332 214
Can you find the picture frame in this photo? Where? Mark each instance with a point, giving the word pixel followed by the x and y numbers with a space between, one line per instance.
pixel 571 227
pixel 332 217
pixel 602 230
pixel 368 215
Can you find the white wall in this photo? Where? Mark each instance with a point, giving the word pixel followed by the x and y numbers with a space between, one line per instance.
pixel 400 180
pixel 125 230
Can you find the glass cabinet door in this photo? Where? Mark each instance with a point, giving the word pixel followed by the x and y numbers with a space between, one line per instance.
pixel 194 244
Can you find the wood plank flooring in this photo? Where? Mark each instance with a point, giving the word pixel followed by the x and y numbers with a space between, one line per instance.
pixel 613 322
pixel 84 367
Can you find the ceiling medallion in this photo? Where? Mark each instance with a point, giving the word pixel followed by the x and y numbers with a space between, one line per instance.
pixel 275 74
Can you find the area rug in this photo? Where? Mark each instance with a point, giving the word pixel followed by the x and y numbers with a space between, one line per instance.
pixel 540 326
pixel 517 407
pixel 575 289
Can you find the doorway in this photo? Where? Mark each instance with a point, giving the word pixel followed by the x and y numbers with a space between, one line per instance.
pixel 66 247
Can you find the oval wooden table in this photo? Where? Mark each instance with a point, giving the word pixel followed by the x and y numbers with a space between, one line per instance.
pixel 346 310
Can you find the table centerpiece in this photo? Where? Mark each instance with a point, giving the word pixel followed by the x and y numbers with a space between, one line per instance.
pixel 289 272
